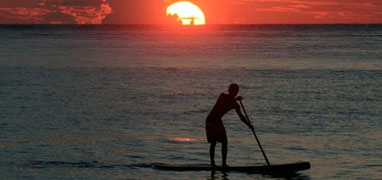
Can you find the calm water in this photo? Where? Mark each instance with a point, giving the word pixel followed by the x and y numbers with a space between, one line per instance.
pixel 106 102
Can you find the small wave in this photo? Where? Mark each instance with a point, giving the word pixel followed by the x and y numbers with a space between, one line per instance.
pixel 296 148
pixel 373 165
pixel 61 164
pixel 91 165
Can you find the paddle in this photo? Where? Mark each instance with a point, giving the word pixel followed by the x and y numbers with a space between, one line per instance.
pixel 254 133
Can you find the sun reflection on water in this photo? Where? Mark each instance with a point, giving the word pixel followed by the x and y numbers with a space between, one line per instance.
pixel 181 139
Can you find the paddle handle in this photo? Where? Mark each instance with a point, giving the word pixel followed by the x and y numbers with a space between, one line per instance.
pixel 254 133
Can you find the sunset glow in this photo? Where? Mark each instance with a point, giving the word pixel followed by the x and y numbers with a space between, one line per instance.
pixel 183 11
pixel 187 13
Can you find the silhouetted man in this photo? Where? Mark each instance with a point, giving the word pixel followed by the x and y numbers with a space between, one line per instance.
pixel 214 125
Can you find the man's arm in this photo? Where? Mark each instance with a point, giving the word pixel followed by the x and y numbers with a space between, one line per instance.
pixel 242 117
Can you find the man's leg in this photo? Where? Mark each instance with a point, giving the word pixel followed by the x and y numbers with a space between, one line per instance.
pixel 224 153
pixel 212 153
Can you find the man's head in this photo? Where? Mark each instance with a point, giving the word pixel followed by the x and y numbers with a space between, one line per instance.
pixel 233 89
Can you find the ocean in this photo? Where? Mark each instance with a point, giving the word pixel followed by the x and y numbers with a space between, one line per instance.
pixel 110 101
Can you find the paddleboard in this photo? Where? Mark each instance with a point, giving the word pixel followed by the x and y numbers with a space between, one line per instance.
pixel 273 169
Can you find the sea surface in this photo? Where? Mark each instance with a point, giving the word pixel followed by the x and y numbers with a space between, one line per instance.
pixel 110 101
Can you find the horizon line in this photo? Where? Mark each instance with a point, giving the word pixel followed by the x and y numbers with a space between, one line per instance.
pixel 145 24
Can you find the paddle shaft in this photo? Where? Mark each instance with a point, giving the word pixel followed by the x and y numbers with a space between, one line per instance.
pixel 254 133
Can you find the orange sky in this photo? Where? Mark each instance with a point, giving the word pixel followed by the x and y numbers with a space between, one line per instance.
pixel 216 11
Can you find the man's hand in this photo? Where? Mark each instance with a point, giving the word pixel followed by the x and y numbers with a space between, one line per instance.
pixel 239 98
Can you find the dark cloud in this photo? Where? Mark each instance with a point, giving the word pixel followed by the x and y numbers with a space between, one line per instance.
pixel 54 11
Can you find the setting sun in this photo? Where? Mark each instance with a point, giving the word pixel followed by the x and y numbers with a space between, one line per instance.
pixel 186 13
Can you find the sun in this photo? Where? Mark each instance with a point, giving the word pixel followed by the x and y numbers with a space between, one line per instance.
pixel 187 13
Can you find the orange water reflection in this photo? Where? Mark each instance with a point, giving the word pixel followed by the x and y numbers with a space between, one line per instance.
pixel 180 139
